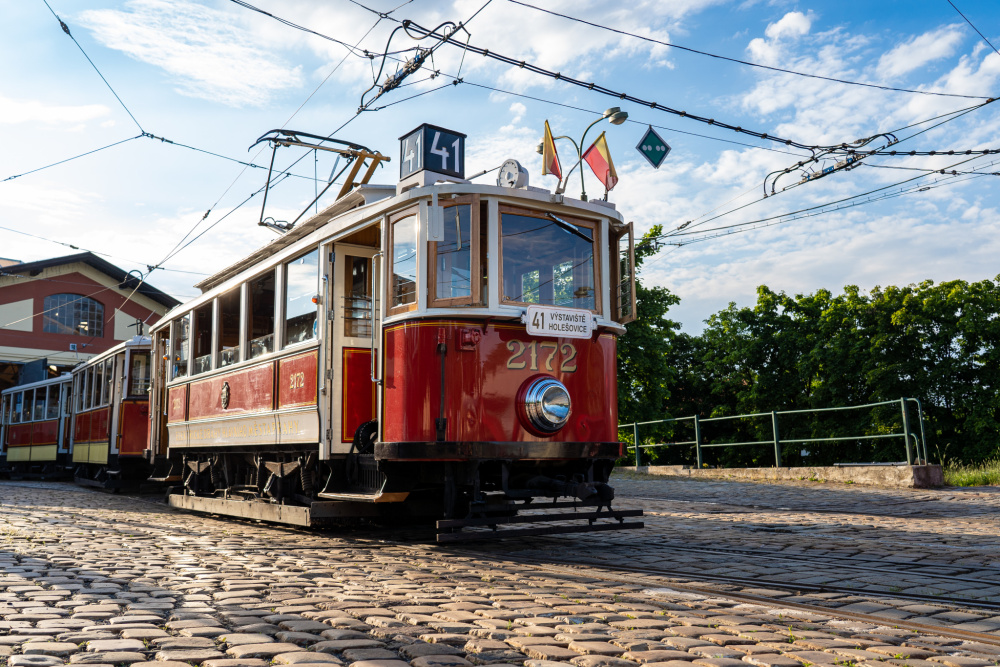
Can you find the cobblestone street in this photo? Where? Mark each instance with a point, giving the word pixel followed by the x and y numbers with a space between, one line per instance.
pixel 92 578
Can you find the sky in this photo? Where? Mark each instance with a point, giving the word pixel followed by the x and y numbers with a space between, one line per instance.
pixel 212 76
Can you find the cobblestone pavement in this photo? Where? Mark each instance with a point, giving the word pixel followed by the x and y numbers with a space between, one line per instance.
pixel 904 554
pixel 90 578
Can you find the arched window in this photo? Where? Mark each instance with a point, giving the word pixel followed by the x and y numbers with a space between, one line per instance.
pixel 73 314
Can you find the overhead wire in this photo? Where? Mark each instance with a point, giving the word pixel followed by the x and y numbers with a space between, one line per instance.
pixel 745 62
pixel 65 29
pixel 70 159
pixel 973 26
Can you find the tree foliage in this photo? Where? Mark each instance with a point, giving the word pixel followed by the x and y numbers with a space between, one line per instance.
pixel 939 343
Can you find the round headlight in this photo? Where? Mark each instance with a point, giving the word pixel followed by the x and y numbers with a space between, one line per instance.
pixel 546 404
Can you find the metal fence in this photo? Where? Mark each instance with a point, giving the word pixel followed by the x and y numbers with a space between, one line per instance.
pixel 919 447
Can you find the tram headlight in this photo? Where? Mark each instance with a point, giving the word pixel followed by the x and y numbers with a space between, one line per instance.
pixel 545 404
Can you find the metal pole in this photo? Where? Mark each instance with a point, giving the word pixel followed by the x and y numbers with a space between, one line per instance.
pixel 635 440
pixel 906 433
pixel 920 418
pixel 777 441
pixel 697 440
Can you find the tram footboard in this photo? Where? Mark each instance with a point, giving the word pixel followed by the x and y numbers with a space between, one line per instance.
pixel 537 519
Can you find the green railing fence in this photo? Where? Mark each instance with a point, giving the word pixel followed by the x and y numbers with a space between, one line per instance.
pixel 919 448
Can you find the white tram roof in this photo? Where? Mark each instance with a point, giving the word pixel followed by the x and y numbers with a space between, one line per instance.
pixel 65 377
pixel 134 341
pixel 360 196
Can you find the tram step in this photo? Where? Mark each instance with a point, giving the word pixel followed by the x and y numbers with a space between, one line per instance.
pixel 366 497
pixel 451 530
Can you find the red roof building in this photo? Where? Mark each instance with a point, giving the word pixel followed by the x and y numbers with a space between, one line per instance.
pixel 55 313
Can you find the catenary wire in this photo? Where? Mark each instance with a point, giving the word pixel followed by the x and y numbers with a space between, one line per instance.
pixel 973 26
pixel 746 62
pixel 65 29
pixel 69 159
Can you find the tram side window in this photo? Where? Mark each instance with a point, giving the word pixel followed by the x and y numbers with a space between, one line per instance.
pixel 203 338
pixel 357 297
pixel 88 388
pixel 548 260
pixel 15 411
pixel 181 335
pixel 52 402
pixel 138 375
pixel 39 412
pixel 623 275
pixel 301 278
pixel 230 314
pixel 262 315
pixel 4 411
pixel 101 381
pixel 29 399
pixel 403 270
pixel 80 385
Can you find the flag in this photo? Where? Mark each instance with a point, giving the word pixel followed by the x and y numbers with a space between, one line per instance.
pixel 550 159
pixel 599 158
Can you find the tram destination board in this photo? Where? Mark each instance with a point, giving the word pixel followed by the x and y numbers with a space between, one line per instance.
pixel 559 322
pixel 434 149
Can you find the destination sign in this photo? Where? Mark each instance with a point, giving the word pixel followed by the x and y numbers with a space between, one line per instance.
pixel 559 322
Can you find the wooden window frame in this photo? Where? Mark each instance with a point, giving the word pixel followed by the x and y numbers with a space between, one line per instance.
pixel 390 246
pixel 475 270
pixel 593 225
pixel 616 278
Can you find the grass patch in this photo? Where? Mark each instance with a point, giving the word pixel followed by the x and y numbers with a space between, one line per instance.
pixel 982 474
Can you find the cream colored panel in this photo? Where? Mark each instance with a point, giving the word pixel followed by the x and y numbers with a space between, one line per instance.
pixel 81 452
pixel 19 313
pixel 299 427
pixel 43 453
pixel 260 430
pixel 15 454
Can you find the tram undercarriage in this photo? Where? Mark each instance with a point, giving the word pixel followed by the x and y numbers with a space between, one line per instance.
pixel 468 488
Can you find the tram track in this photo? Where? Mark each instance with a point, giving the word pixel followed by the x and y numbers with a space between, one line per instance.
pixel 669 582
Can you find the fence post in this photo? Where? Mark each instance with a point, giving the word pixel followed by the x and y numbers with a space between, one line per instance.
pixel 697 440
pixel 906 433
pixel 635 439
pixel 777 441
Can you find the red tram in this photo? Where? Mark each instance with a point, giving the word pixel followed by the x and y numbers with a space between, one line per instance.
pixel 34 428
pixel 436 348
pixel 111 416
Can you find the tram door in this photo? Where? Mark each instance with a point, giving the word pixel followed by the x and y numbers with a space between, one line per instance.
pixel 352 394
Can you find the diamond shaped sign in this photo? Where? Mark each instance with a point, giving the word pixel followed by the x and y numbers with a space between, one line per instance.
pixel 653 148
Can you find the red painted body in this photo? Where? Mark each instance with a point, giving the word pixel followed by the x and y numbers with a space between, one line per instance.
pixel 358 391
pixel 250 390
pixel 19 435
pixel 297 380
pixel 133 427
pixel 45 433
pixel 484 371
pixel 177 404
pixel 92 426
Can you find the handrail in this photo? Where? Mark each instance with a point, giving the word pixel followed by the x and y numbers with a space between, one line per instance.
pixel 919 439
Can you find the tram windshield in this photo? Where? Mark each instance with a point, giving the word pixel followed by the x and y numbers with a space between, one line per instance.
pixel 548 260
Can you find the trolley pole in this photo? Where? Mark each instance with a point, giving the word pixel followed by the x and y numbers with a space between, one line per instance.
pixel 906 432
pixel 777 441
pixel 697 440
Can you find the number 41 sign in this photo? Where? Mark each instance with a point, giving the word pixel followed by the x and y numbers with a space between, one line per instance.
pixel 559 322
pixel 434 149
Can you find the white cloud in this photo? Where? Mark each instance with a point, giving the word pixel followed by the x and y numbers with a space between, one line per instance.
pixel 791 25
pixel 15 111
pixel 920 50
pixel 204 52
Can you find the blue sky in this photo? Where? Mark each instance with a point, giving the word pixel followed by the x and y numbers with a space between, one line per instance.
pixel 214 75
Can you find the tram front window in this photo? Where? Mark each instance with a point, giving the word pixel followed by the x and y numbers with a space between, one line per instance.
pixel 548 261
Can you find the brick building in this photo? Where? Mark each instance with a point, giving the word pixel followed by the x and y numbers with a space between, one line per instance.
pixel 55 313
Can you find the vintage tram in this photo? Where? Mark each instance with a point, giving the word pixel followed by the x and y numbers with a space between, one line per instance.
pixel 110 406
pixel 35 423
pixel 436 348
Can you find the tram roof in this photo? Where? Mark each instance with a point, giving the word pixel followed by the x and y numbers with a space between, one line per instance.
pixel 362 195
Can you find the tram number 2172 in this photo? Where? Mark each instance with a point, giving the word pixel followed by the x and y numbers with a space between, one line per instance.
pixel 551 353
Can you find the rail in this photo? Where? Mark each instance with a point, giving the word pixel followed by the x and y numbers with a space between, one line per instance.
pixel 919 441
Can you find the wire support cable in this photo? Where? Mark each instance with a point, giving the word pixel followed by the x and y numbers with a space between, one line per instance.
pixel 747 62
pixel 75 157
pixel 65 29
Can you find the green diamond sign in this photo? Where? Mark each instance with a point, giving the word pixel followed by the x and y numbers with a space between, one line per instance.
pixel 653 148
